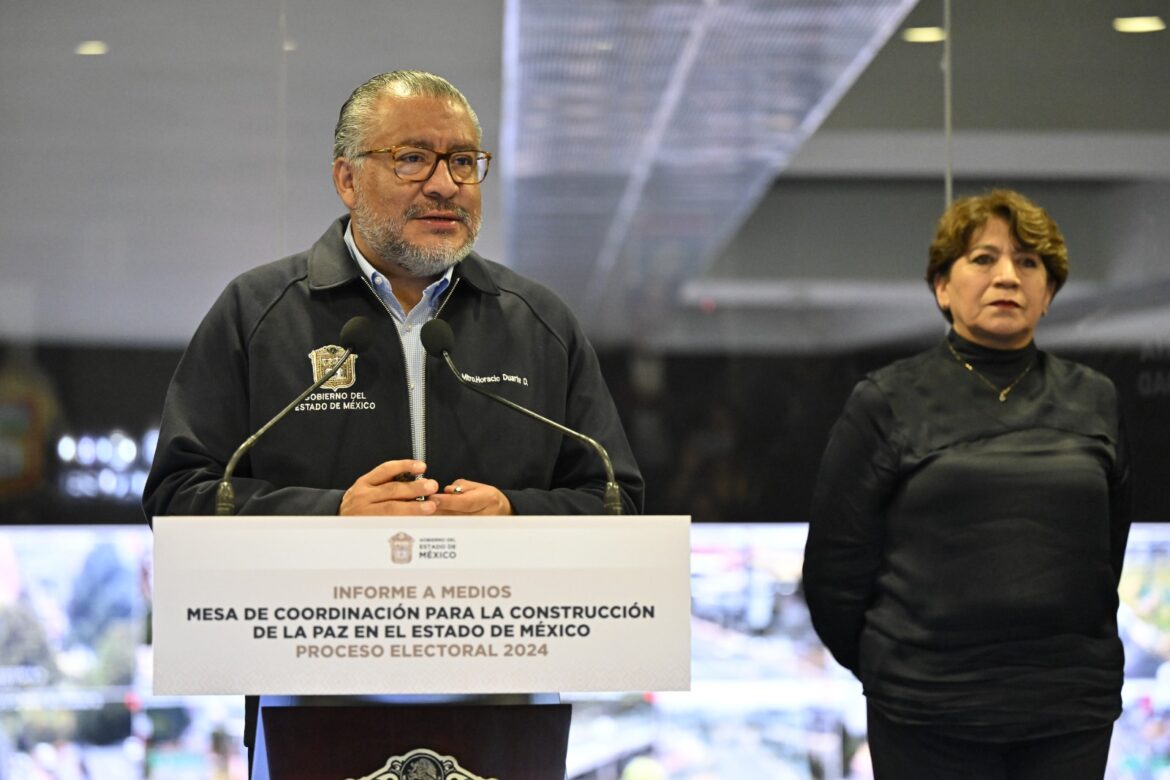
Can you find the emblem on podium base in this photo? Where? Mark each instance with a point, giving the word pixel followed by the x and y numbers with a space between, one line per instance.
pixel 422 764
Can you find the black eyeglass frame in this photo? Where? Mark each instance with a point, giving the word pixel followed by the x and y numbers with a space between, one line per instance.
pixel 479 154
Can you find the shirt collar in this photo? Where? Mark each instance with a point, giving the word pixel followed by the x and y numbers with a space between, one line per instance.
pixel 381 283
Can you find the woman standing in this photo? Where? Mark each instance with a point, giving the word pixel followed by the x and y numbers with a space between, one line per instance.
pixel 969 524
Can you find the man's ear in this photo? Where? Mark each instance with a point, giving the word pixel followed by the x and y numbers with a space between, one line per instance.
pixel 343 175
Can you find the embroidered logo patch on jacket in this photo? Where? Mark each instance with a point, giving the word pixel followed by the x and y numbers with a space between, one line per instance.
pixel 325 358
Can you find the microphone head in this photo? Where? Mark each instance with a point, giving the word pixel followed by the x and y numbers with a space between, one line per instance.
pixel 357 335
pixel 437 338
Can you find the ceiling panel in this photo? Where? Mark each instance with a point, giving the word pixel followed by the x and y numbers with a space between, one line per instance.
pixel 653 129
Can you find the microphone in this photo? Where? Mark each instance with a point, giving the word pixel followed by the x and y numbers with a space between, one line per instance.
pixel 438 340
pixel 356 336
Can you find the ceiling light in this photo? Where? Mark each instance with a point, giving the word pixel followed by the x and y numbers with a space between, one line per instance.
pixel 924 35
pixel 1138 24
pixel 91 48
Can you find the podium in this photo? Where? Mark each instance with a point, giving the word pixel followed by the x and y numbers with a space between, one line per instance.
pixel 395 607
pixel 515 741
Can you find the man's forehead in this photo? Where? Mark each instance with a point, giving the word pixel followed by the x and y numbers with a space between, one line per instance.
pixel 423 116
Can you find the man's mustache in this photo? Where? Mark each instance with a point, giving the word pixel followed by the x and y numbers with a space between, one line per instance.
pixel 419 209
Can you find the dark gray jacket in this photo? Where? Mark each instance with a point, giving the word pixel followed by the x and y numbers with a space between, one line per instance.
pixel 250 357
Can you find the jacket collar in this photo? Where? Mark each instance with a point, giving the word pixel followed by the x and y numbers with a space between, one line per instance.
pixel 330 264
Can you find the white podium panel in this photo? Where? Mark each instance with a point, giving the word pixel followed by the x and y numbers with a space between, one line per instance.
pixel 333 605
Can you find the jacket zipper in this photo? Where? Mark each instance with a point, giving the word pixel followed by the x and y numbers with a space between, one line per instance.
pixel 422 413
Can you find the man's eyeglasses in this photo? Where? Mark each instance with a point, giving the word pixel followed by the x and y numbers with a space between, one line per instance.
pixel 466 166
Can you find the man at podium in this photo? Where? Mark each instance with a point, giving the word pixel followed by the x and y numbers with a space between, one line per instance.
pixel 394 432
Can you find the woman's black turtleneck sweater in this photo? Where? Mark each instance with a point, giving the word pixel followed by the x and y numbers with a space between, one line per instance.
pixel 963 552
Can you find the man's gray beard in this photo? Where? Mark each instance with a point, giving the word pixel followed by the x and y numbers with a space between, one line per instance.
pixel 384 237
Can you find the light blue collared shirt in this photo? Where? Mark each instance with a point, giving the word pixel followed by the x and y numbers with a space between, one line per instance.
pixel 409 327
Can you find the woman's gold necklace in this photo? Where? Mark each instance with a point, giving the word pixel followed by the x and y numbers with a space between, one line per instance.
pixel 1003 392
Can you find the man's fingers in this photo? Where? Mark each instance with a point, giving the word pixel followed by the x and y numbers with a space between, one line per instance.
pixel 394 470
pixel 464 497
pixel 393 487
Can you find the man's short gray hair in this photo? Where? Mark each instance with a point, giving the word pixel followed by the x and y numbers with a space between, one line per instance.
pixel 354 122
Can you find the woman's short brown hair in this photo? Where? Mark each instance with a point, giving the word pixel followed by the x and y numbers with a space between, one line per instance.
pixel 1030 226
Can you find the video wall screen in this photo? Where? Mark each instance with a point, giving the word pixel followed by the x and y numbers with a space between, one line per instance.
pixel 766 701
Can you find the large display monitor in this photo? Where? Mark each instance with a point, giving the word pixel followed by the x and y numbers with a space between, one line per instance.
pixel 766 701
